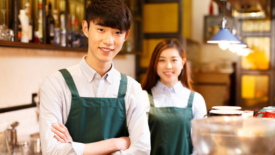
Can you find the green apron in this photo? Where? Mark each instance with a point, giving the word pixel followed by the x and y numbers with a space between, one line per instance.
pixel 170 128
pixel 94 119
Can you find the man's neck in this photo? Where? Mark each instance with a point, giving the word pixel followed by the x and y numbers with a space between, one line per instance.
pixel 100 67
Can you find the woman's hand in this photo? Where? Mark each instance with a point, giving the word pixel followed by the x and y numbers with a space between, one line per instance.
pixel 61 133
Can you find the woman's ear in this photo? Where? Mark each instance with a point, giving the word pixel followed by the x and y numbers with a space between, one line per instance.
pixel 85 28
pixel 183 62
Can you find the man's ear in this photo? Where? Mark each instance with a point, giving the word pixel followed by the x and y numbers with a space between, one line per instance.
pixel 127 34
pixel 85 28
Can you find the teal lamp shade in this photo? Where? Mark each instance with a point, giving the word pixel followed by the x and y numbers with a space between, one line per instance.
pixel 224 35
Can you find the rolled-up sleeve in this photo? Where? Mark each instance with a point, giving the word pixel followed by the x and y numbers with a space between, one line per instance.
pixel 137 123
pixel 51 111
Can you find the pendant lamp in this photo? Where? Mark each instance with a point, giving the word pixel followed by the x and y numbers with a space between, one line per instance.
pixel 235 46
pixel 243 51
pixel 224 37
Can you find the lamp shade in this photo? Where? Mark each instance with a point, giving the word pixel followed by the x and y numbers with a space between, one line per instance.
pixel 224 35
pixel 240 44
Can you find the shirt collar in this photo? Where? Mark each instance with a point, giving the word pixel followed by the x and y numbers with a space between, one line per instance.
pixel 90 73
pixel 176 88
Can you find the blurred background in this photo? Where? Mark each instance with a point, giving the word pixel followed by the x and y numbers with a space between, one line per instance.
pixel 39 37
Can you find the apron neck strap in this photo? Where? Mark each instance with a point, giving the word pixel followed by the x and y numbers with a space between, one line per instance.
pixel 190 100
pixel 122 86
pixel 70 82
pixel 152 104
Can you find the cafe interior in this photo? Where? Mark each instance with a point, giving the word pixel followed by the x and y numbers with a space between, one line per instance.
pixel 229 46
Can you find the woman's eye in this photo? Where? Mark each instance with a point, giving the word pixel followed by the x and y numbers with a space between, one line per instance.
pixel 175 60
pixel 118 32
pixel 161 60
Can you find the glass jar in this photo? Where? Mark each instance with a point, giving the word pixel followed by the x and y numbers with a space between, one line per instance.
pixel 23 148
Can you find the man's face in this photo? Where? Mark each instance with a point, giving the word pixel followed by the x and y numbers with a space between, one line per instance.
pixel 104 42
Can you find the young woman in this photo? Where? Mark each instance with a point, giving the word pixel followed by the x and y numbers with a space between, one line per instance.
pixel 173 104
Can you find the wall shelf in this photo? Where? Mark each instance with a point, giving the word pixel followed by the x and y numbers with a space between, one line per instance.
pixel 40 46
pixel 51 47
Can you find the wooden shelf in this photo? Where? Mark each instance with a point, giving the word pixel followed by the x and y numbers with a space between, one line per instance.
pixel 51 47
pixel 40 46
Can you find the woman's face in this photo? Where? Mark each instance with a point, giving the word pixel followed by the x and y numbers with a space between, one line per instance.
pixel 169 66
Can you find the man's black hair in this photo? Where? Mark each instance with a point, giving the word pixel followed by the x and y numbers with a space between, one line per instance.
pixel 110 13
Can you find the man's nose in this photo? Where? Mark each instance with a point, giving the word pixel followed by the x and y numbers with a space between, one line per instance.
pixel 108 38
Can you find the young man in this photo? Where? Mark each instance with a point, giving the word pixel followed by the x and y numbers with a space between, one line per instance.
pixel 100 107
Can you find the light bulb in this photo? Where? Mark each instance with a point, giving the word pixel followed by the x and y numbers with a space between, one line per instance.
pixel 232 48
pixel 239 52
pixel 224 45
pixel 245 52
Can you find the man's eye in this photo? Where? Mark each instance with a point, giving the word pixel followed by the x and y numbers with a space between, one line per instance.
pixel 118 32
pixel 100 29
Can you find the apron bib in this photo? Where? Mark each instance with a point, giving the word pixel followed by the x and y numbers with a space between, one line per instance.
pixel 94 119
pixel 170 128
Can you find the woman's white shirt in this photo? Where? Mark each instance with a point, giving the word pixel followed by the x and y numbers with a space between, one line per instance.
pixel 176 96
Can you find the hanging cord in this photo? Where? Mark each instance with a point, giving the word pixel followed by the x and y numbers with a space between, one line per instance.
pixel 234 31
pixel 233 9
pixel 224 7
pixel 224 22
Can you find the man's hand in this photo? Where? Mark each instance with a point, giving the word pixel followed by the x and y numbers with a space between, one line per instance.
pixel 123 143
pixel 61 133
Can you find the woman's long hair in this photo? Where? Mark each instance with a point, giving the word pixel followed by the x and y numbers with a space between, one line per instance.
pixel 152 77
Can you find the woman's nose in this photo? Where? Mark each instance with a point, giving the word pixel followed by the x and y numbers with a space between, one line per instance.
pixel 168 64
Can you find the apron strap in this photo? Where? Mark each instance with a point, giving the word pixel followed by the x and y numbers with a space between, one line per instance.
pixel 190 100
pixel 70 82
pixel 152 104
pixel 122 86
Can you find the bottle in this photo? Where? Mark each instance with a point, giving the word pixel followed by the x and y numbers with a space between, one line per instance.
pixel 27 9
pixel 76 36
pixel 70 37
pixel 55 16
pixel 50 26
pixel 24 20
pixel 40 23
pixel 211 8
pixel 82 38
pixel 36 37
pixel 56 36
pixel 56 40
pixel 63 30
pixel 19 30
